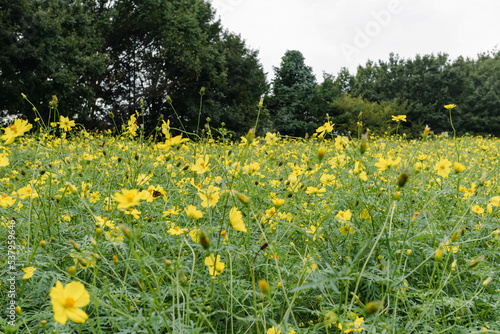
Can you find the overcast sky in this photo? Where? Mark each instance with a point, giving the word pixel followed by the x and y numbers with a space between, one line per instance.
pixel 345 33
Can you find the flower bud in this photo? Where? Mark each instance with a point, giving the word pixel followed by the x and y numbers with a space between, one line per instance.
pixel 487 281
pixel 244 199
pixel 43 243
pixel 204 241
pixel 373 307
pixel 18 310
pixel 76 246
pixel 115 259
pixel 427 130
pixel 403 178
pixel 321 153
pixel 438 254
pixel 264 286
pixel 72 270
pixel 167 263
pixel 476 261
pixel 98 232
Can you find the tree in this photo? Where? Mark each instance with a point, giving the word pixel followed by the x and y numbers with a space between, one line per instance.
pixel 293 86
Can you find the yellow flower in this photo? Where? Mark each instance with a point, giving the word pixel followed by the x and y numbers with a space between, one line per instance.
pixel 477 209
pixel 327 127
pixel 215 266
pixel 201 165
pixel 4 160
pixel 6 200
pixel 65 123
pixel 344 215
pixel 209 197
pixel 450 106
pixel 29 272
pixel 15 130
pixel 177 230
pixel 273 330
pixel 383 164
pixel 131 126
pixel 278 202
pixel 104 222
pixel 399 118
pixel 495 201
pixel 443 167
pixel 314 190
pixel 27 192
pixel 127 198
pixel 195 235
pixel 346 228
pixel 193 212
pixel 458 167
pixel 235 218
pixel 66 302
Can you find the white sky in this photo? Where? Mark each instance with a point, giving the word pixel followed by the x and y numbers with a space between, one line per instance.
pixel 345 33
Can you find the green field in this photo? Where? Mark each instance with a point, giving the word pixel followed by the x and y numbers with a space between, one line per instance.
pixel 140 233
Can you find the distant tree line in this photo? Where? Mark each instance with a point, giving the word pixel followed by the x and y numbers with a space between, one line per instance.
pixel 102 56
pixel 418 88
pixel 105 56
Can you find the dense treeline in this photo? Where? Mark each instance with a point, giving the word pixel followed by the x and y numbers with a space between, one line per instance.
pixel 418 88
pixel 102 56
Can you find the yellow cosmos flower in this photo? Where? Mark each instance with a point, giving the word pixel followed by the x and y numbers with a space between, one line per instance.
pixel 235 218
pixel 443 167
pixel 273 330
pixel 193 212
pixel 65 123
pixel 346 228
pixel 477 209
pixel 6 200
pixel 201 165
pixel 127 198
pixel 177 230
pixel 28 272
pixel 327 127
pixel 450 106
pixel 344 215
pixel 67 301
pixel 4 160
pixel 209 197
pixel 399 118
pixel 383 164
pixel 215 266
pixel 495 201
pixel 315 190
pixel 15 130
pixel 458 167
pixel 27 192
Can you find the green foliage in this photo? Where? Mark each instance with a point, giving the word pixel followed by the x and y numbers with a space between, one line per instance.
pixel 293 88
pixel 375 116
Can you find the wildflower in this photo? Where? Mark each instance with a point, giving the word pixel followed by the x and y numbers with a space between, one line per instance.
pixel 235 218
pixel 104 222
pixel 458 167
pixel 176 230
pixel 15 130
pixel 327 127
pixel 6 200
pixel 28 272
pixel 127 198
pixel 215 266
pixel 352 326
pixel 264 286
pixel 315 190
pixel 209 197
pixel 27 192
pixel 277 202
pixel 346 228
pixel 399 118
pixel 495 201
pixel 273 330
pixel 4 160
pixel 443 167
pixel 384 164
pixel 450 106
pixel 344 215
pixel 132 126
pixel 66 302
pixel 477 209
pixel 201 165
pixel 131 211
pixel 65 123
pixel 193 212
pixel 195 235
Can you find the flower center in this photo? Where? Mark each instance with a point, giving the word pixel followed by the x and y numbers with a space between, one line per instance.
pixel 130 197
pixel 13 128
pixel 69 302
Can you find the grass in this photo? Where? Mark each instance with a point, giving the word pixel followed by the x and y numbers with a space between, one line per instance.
pixel 372 242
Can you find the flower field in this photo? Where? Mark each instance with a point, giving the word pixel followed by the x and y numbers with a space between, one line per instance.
pixel 134 233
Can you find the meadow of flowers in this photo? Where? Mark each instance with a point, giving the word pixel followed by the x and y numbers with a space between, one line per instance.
pixel 155 233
